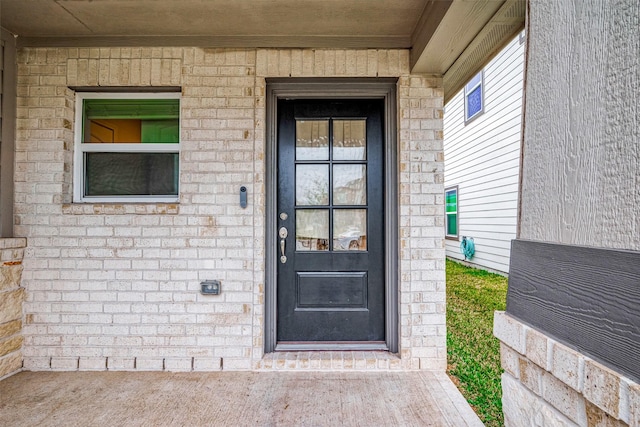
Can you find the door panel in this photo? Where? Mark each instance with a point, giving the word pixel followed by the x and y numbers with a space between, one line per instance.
pixel 330 201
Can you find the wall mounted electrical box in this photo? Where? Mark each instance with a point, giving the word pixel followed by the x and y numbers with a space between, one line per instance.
pixel 210 287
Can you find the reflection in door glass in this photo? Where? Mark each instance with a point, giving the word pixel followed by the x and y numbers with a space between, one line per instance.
pixel 312 140
pixel 312 185
pixel 349 140
pixel 312 230
pixel 349 184
pixel 350 230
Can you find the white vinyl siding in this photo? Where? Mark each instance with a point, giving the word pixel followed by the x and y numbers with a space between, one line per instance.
pixel 483 159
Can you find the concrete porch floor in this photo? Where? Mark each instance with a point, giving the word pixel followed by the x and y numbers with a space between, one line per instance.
pixel 233 399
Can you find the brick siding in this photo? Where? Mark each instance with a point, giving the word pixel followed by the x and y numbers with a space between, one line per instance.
pixel 551 384
pixel 116 286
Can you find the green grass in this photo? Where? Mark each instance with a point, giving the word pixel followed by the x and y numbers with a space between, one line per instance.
pixel 473 352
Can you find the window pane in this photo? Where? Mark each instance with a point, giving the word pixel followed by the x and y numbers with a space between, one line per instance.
pixel 312 140
pixel 131 120
pixel 123 108
pixel 129 131
pixel 160 131
pixel 350 230
pixel 475 80
pixel 312 185
pixel 452 224
pixel 129 174
pixel 114 131
pixel 349 140
pixel 312 230
pixel 349 184
pixel 474 102
pixel 451 201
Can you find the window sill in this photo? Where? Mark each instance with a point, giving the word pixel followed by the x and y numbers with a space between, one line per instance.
pixel 455 238
pixel 472 118
pixel 119 208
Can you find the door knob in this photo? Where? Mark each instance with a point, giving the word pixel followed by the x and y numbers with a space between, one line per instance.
pixel 283 235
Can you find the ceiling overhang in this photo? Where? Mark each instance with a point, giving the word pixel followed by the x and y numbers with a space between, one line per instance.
pixel 452 38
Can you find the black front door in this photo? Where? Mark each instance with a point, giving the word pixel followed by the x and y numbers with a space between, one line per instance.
pixel 331 269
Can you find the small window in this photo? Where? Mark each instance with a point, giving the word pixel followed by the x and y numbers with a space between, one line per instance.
pixel 451 211
pixel 127 147
pixel 474 97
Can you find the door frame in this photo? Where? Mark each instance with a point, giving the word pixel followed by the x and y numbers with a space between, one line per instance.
pixel 333 88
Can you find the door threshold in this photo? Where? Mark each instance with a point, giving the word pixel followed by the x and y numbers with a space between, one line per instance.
pixel 333 360
pixel 332 346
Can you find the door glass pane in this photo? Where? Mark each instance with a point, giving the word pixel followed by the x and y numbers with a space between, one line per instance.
pixel 349 140
pixel 312 230
pixel 312 185
pixel 312 140
pixel 349 184
pixel 350 230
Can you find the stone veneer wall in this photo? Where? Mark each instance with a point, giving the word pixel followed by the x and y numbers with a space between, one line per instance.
pixel 546 383
pixel 11 300
pixel 116 286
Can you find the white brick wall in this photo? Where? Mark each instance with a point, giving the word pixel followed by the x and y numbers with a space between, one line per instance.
pixel 116 286
pixel 546 383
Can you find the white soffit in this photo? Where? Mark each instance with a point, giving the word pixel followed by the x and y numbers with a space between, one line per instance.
pixel 501 28
pixel 216 23
pixel 463 20
pixel 453 38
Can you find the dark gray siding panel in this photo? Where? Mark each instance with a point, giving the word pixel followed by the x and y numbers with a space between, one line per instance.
pixel 587 298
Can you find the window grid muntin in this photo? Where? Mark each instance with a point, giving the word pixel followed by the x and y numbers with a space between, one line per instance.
pixel 330 162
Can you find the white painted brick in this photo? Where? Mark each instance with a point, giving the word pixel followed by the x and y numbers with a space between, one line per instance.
pixel 179 364
pixel 149 364
pixel 32 363
pixel 207 364
pixel 234 364
pixel 93 364
pixel 64 363
pixel 121 363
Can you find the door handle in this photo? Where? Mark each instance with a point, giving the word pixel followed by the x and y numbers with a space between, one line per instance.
pixel 283 235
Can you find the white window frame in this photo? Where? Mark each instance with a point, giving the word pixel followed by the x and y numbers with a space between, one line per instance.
pixel 457 213
pixel 81 148
pixel 476 81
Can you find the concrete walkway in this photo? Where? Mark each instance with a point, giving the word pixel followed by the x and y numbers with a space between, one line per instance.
pixel 232 399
